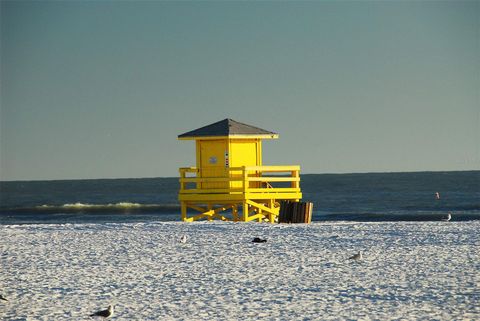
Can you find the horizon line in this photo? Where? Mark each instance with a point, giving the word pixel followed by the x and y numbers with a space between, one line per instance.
pixel 155 177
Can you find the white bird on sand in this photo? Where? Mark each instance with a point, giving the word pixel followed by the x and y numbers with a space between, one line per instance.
pixel 357 256
pixel 448 218
pixel 3 298
pixel 183 239
pixel 104 313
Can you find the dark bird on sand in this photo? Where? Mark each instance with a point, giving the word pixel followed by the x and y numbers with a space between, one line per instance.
pixel 259 240
pixel 104 313
pixel 357 256
pixel 3 298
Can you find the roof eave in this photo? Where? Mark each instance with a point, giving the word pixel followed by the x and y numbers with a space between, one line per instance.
pixel 255 136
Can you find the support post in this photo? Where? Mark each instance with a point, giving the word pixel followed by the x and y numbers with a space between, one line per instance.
pixel 245 212
pixel 271 216
pixel 235 213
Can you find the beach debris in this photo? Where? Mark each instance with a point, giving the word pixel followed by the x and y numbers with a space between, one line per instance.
pixel 258 240
pixel 437 195
pixel 183 239
pixel 357 256
pixel 104 313
pixel 3 298
pixel 448 218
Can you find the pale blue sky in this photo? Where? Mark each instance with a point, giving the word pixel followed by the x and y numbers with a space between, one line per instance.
pixel 101 89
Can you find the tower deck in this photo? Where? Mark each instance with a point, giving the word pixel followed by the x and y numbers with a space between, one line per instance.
pixel 243 193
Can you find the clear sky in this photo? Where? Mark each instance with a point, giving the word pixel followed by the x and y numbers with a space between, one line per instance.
pixel 101 89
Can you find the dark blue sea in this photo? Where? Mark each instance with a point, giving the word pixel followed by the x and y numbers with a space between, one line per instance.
pixel 344 197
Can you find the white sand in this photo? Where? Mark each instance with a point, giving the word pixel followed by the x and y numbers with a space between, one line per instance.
pixel 427 270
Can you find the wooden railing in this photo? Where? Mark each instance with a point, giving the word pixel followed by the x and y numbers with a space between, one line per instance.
pixel 245 179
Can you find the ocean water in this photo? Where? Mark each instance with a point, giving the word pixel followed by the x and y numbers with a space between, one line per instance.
pixel 345 197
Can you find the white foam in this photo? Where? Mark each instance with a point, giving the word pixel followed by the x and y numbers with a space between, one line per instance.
pixel 90 206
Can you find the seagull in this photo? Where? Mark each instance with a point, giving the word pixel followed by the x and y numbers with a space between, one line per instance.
pixel 357 256
pixel 259 240
pixel 437 195
pixel 104 313
pixel 183 239
pixel 448 218
pixel 3 298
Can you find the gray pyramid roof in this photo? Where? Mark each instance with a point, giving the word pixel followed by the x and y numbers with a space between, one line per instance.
pixel 228 127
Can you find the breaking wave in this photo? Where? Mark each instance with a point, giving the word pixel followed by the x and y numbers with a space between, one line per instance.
pixel 121 207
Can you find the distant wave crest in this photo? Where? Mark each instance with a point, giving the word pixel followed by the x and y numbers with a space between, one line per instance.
pixel 120 207
pixel 90 206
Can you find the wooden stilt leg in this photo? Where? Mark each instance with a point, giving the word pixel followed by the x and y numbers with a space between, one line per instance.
pixel 245 212
pixel 235 213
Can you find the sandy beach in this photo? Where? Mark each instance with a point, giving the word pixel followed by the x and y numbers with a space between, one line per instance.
pixel 409 271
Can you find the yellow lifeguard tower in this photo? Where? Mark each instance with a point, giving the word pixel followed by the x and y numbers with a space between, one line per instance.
pixel 229 175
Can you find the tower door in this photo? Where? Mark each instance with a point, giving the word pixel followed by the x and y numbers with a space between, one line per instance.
pixel 244 152
pixel 212 162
